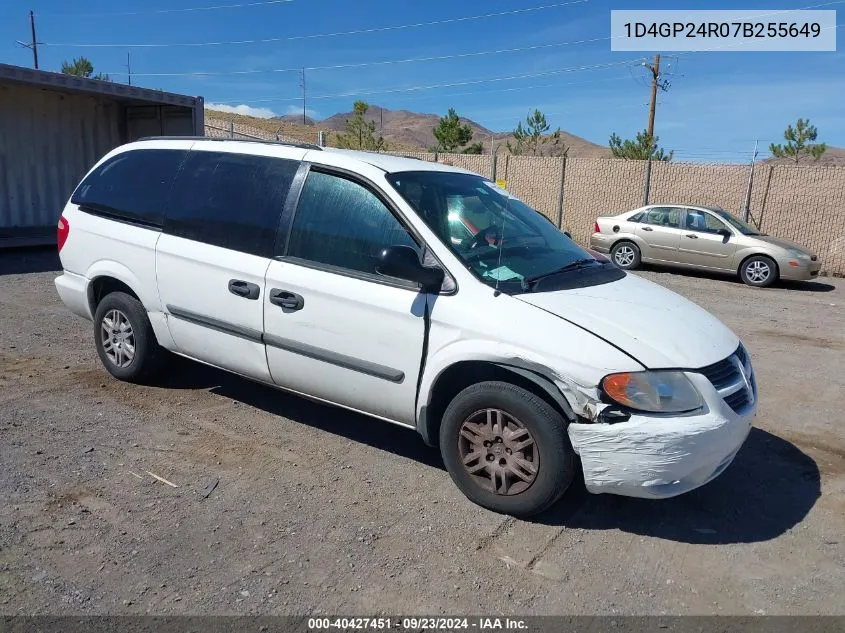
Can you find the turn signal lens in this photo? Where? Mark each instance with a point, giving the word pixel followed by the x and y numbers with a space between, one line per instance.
pixel 653 391
pixel 596 228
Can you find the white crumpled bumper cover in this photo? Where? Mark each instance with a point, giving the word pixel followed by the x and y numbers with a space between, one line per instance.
pixel 658 457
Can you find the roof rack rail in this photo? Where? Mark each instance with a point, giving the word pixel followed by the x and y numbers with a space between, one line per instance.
pixel 242 140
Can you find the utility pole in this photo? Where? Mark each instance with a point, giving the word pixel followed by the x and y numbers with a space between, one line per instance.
pixel 33 44
pixel 655 78
pixel 129 66
pixel 302 83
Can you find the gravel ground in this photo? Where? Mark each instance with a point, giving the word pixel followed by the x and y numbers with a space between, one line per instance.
pixel 316 510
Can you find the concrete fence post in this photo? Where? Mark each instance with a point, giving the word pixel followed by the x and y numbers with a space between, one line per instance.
pixel 560 195
pixel 493 167
pixel 231 129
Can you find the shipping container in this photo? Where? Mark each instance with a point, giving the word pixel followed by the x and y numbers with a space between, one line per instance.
pixel 54 127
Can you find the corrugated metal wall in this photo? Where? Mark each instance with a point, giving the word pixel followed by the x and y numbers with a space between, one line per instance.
pixel 48 141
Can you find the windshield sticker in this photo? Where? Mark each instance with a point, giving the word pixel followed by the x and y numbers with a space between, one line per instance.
pixel 502 273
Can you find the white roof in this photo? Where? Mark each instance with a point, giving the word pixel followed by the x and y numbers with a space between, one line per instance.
pixel 391 163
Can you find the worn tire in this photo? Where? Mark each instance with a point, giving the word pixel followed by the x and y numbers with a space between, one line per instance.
pixel 557 463
pixel 148 355
pixel 751 269
pixel 619 249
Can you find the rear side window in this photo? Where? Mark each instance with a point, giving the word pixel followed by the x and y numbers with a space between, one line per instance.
pixel 230 200
pixel 343 224
pixel 132 186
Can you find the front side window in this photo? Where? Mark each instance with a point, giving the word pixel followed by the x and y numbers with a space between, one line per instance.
pixel 663 216
pixel 511 246
pixel 230 200
pixel 132 186
pixel 739 225
pixel 703 222
pixel 343 224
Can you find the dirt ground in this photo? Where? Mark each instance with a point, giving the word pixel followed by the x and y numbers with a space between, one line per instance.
pixel 316 510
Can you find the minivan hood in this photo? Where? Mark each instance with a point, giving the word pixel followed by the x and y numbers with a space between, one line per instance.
pixel 776 241
pixel 656 326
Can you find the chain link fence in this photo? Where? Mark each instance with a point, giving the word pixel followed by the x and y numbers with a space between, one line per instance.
pixel 805 204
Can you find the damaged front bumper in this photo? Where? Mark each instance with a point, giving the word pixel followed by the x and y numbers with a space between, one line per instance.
pixel 660 456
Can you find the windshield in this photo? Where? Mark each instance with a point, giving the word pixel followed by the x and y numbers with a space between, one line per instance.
pixel 503 241
pixel 739 225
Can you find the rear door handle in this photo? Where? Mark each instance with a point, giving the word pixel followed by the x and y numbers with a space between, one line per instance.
pixel 286 300
pixel 692 236
pixel 244 289
pixel 647 228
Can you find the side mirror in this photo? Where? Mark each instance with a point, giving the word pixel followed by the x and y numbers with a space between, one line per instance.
pixel 725 233
pixel 403 262
pixel 568 234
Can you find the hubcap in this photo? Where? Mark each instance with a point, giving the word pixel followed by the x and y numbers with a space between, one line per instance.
pixel 498 452
pixel 624 256
pixel 758 271
pixel 118 338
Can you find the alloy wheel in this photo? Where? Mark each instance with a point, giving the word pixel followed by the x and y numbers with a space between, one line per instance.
pixel 758 271
pixel 117 338
pixel 624 256
pixel 498 452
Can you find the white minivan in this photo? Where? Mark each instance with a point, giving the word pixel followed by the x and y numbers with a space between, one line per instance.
pixel 352 278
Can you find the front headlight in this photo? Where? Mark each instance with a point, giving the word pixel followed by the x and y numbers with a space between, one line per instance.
pixel 653 391
pixel 794 252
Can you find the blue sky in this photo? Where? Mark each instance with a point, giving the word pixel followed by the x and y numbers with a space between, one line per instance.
pixel 718 102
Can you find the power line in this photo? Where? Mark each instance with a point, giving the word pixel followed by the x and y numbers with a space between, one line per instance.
pixel 456 83
pixel 239 5
pixel 335 34
pixel 375 63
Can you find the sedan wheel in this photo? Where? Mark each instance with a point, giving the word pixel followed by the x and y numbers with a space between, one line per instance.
pixel 625 255
pixel 759 271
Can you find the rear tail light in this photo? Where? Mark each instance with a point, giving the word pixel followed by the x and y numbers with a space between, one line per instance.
pixel 596 228
pixel 62 231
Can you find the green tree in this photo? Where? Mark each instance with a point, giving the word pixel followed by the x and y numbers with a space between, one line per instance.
pixel 360 133
pixel 532 139
pixel 643 148
pixel 474 148
pixel 82 67
pixel 799 142
pixel 451 133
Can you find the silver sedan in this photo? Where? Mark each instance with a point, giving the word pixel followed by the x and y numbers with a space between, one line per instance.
pixel 701 237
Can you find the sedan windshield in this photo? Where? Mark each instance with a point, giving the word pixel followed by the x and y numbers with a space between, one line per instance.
pixel 503 241
pixel 739 225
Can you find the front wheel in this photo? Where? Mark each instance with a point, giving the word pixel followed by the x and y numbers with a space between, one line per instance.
pixel 759 271
pixel 506 449
pixel 625 255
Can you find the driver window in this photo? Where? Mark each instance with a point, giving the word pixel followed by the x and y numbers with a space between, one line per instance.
pixel 669 217
pixel 703 222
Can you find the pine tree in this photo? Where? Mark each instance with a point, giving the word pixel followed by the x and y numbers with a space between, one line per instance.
pixel 360 133
pixel 82 67
pixel 530 138
pixel 643 148
pixel 799 142
pixel 451 133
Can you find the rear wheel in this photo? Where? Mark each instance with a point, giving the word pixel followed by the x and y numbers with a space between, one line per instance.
pixel 759 271
pixel 625 255
pixel 506 448
pixel 124 338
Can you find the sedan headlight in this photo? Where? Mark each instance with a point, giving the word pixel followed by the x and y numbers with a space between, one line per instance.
pixel 794 252
pixel 653 391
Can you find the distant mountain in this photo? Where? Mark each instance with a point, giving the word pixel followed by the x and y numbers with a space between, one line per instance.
pixel 833 156
pixel 415 129
pixel 295 118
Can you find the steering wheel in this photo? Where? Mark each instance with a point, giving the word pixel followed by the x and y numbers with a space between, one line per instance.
pixel 481 237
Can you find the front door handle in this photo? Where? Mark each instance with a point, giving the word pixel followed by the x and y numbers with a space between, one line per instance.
pixel 286 300
pixel 244 289
pixel 647 228
pixel 692 236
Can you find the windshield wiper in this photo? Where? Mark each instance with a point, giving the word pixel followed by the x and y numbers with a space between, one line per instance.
pixel 578 264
